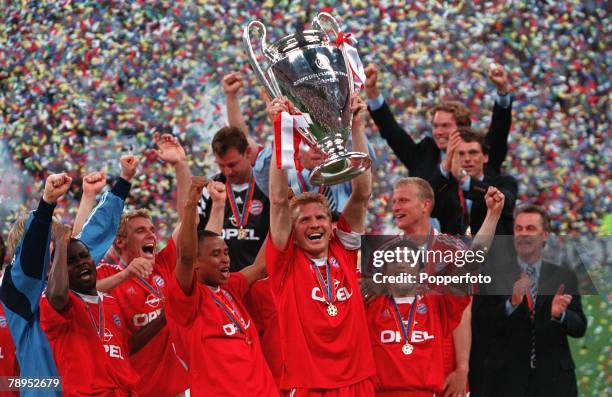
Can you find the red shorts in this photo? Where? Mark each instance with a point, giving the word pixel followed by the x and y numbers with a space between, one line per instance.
pixel 406 394
pixel 365 388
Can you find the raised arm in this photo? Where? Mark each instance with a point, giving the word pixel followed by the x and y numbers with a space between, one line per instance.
pixel 405 149
pixel 232 83
pixel 501 120
pixel 26 275
pixel 357 205
pixel 494 200
pixel 218 195
pixel 257 270
pixel 58 286
pixel 187 242
pixel 92 185
pixel 280 218
pixel 171 152
pixel 99 229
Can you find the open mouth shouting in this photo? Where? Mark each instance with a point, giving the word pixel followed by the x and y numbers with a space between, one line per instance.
pixel 148 251
pixel 86 274
pixel 225 272
pixel 315 236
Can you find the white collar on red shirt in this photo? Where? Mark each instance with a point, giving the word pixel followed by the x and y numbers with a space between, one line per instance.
pixel 320 261
pixel 404 299
pixel 214 289
pixel 91 299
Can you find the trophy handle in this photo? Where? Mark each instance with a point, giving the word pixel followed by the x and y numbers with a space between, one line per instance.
pixel 324 19
pixel 246 40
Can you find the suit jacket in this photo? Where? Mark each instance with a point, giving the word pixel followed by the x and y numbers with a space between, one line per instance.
pixel 448 210
pixel 422 158
pixel 507 369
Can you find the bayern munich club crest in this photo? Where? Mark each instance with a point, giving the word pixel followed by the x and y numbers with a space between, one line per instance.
pixel 159 280
pixel 256 207
pixel 2 321
pixel 117 320
pixel 333 262
pixel 421 308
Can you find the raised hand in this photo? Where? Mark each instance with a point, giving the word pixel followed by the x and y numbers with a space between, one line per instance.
pixel 61 234
pixel 454 139
pixel 494 199
pixel 232 83
pixel 195 189
pixel 519 289
pixel 139 267
pixel 93 183
pixel 560 302
pixel 55 186
pixel 129 164
pixel 359 110
pixel 498 75
pixel 277 106
pixel 371 83
pixel 169 149
pixel 217 191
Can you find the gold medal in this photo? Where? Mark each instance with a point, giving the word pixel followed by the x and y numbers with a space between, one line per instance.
pixel 407 349
pixel 332 310
pixel 242 233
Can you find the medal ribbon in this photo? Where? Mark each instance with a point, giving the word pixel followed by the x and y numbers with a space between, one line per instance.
pixel 155 290
pixel 230 310
pixel 329 291
pixel 406 331
pixel 241 217
pixel 99 330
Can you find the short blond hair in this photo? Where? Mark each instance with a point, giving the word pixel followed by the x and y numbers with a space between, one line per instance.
pixel 308 198
pixel 16 234
pixel 425 192
pixel 125 219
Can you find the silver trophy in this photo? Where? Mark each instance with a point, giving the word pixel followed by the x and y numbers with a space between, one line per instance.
pixel 310 70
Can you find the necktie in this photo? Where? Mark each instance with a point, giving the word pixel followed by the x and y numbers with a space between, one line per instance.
pixel 465 216
pixel 533 290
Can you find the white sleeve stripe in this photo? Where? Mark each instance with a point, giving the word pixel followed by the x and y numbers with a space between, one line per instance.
pixel 350 240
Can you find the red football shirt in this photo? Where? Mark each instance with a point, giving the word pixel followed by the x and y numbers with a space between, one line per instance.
pixel 320 351
pixel 262 308
pixel 141 302
pixel 89 363
pixel 8 360
pixel 443 243
pixel 435 317
pixel 223 360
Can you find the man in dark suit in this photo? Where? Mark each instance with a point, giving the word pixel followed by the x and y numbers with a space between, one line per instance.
pixel 460 184
pixel 535 309
pixel 422 158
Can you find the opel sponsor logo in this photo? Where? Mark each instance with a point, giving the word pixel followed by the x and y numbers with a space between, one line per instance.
pixel 152 300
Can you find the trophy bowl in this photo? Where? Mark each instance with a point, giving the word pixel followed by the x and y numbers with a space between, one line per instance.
pixel 312 72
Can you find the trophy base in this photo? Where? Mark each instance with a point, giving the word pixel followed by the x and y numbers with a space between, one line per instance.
pixel 340 169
